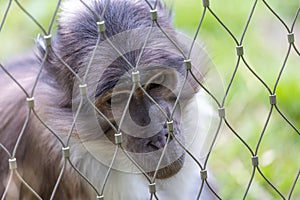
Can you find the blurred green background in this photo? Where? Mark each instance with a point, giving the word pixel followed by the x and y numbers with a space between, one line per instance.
pixel 247 104
pixel 265 45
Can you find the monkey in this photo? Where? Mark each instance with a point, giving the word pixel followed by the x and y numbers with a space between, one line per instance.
pixel 134 84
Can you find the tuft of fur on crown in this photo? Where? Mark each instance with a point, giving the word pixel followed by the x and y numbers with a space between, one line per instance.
pixel 77 33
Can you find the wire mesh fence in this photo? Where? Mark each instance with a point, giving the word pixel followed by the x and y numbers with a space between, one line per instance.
pixel 274 121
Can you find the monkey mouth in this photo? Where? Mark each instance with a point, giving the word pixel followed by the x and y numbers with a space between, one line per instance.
pixel 171 160
pixel 169 170
pixel 148 156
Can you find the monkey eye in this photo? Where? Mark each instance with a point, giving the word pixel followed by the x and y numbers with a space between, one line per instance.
pixel 119 97
pixel 114 97
pixel 155 81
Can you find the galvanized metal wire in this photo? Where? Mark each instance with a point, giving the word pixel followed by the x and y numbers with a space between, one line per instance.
pixel 220 103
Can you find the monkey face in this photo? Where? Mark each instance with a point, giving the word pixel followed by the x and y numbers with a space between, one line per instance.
pixel 141 111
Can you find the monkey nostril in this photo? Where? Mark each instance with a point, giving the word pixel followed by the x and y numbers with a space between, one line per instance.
pixel 167 135
pixel 165 125
pixel 157 142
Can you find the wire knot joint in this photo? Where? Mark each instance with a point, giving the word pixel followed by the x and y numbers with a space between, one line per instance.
pixel 101 26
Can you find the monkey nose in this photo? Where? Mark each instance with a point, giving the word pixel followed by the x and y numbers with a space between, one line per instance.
pixel 140 117
pixel 139 113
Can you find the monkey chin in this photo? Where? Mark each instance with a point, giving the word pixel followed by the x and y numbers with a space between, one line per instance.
pixel 169 170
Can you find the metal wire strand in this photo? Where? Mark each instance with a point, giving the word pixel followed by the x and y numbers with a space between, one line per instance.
pixel 11 150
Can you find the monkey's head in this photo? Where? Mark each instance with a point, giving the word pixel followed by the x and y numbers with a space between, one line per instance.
pixel 142 103
pixel 136 77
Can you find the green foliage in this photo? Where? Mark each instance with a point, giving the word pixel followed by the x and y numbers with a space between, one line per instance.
pixel 247 106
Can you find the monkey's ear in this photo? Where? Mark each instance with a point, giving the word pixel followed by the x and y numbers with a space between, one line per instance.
pixel 41 45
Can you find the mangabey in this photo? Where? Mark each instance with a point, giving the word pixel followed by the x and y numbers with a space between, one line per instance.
pixel 151 78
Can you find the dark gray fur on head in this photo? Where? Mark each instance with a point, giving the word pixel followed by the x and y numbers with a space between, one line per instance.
pixel 78 32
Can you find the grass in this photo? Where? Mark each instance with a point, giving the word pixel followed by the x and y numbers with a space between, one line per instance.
pixel 247 105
